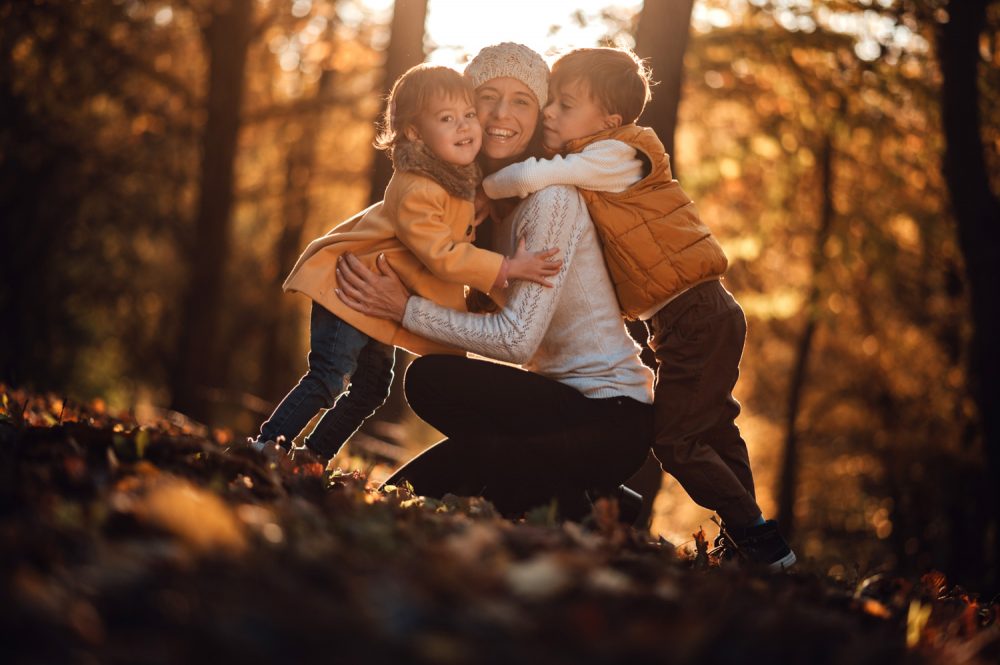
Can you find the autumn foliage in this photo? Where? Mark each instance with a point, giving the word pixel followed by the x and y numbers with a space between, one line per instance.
pixel 155 543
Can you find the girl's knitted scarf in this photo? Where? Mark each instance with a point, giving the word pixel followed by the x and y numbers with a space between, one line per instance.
pixel 415 156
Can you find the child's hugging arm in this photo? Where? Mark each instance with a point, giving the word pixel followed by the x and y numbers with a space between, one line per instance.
pixel 608 166
pixel 422 226
pixel 557 218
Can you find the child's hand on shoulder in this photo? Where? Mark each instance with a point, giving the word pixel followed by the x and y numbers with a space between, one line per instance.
pixel 534 266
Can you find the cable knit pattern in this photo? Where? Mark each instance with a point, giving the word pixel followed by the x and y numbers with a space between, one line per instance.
pixel 571 332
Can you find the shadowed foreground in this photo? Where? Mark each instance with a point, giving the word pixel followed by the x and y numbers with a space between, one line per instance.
pixel 153 544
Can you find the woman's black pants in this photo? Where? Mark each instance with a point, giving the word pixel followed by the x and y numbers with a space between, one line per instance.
pixel 519 439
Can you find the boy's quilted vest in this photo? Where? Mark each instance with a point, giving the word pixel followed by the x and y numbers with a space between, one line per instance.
pixel 655 244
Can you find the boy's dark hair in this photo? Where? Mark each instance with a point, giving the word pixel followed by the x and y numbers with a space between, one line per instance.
pixel 617 79
pixel 410 95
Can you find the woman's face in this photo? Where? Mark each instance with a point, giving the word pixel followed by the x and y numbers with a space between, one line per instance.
pixel 508 113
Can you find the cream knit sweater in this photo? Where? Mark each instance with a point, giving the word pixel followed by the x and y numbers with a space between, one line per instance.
pixel 572 332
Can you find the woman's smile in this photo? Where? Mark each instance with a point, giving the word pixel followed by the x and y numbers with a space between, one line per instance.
pixel 509 113
pixel 500 135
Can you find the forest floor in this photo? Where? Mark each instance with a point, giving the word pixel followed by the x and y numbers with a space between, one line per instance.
pixel 153 544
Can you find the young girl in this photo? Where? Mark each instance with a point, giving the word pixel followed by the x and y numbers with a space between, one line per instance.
pixel 424 227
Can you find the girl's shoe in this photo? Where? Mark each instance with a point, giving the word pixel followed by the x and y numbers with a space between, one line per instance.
pixel 257 445
pixel 267 448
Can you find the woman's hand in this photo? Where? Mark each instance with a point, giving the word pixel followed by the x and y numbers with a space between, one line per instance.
pixel 380 294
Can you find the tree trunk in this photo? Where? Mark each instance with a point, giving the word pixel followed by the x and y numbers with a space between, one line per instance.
pixel 977 212
pixel 197 366
pixel 661 37
pixel 282 360
pixel 788 480
pixel 406 49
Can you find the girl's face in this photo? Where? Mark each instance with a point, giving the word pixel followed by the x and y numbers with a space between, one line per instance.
pixel 508 112
pixel 449 127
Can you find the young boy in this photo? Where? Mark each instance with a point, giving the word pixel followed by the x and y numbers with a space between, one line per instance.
pixel 666 267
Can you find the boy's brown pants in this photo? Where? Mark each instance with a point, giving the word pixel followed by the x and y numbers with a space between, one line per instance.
pixel 698 341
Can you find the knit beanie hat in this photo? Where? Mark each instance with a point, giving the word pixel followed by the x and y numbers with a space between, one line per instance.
pixel 513 60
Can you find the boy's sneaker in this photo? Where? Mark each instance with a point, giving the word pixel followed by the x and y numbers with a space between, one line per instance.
pixel 760 544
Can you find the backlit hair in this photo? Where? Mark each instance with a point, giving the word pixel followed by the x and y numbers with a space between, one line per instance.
pixel 411 95
pixel 617 79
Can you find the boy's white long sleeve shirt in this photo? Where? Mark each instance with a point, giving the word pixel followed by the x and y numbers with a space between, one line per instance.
pixel 604 166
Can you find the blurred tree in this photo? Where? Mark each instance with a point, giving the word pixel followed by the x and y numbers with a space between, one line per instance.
pixel 788 479
pixel 227 30
pixel 307 124
pixel 280 360
pixel 977 212
pixel 661 37
pixel 296 58
pixel 34 212
pixel 405 49
pixel 883 442
pixel 788 475
pixel 100 156
pixel 92 153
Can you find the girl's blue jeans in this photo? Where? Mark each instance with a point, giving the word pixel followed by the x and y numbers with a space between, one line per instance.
pixel 341 358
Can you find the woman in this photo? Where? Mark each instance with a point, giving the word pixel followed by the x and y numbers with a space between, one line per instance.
pixel 580 419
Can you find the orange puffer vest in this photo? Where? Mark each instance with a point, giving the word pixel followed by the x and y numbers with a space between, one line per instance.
pixel 655 244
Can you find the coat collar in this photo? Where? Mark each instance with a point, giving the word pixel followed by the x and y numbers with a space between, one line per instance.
pixel 416 157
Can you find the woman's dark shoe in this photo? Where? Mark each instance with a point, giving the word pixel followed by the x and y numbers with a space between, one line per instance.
pixel 629 502
pixel 629 505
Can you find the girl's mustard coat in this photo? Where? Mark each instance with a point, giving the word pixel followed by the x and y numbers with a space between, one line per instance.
pixel 425 233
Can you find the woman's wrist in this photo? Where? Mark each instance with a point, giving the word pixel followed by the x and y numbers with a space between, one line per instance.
pixel 408 306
